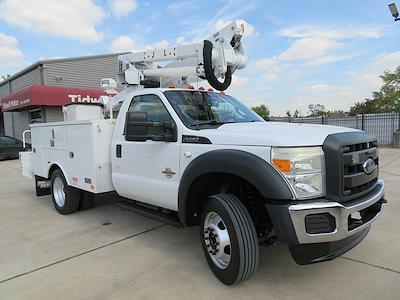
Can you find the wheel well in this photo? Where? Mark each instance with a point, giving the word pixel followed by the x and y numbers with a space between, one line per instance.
pixel 52 169
pixel 216 183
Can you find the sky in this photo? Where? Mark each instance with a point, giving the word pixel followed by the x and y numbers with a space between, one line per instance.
pixel 299 52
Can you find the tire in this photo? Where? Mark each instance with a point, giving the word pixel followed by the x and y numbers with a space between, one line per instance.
pixel 86 201
pixel 238 261
pixel 65 198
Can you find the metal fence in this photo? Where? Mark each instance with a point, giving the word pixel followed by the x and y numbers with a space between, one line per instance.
pixel 381 125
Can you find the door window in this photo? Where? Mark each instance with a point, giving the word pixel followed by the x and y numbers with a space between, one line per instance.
pixel 7 141
pixel 155 109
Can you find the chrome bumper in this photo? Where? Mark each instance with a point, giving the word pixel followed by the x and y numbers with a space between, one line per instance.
pixel 340 211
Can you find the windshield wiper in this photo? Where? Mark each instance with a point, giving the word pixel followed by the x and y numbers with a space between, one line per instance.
pixel 211 122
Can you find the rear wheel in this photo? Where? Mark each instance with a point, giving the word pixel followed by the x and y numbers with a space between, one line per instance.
pixel 229 239
pixel 65 199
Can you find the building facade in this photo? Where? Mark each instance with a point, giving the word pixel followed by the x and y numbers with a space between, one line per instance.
pixel 38 92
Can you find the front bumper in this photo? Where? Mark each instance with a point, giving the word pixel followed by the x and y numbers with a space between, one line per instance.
pixel 340 212
pixel 319 230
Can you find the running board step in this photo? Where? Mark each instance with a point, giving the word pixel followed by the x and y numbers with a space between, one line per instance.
pixel 161 214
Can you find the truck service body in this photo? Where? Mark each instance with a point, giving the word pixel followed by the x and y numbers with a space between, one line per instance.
pixel 194 157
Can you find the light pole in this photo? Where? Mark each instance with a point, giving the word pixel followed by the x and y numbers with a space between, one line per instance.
pixel 394 11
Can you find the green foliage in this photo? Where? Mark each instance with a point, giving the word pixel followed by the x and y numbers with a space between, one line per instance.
pixel 5 77
pixel 295 114
pixel 262 110
pixel 316 110
pixel 387 99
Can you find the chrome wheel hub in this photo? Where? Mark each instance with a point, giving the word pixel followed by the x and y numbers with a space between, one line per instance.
pixel 217 240
pixel 58 191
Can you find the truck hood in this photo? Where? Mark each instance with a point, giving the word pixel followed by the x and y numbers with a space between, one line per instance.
pixel 270 134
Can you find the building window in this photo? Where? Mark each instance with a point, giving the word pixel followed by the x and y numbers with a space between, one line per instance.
pixel 36 116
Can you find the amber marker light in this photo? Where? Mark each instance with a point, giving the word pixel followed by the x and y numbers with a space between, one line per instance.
pixel 283 165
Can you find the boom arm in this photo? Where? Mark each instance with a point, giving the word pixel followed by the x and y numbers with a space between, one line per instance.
pixel 218 56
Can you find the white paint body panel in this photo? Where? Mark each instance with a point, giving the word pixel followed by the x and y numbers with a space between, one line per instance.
pixel 75 112
pixel 271 134
pixel 26 164
pixel 80 148
pixel 138 173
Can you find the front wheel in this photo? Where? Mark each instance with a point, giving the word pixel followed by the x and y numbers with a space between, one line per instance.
pixel 229 239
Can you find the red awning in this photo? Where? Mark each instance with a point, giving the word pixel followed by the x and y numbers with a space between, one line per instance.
pixel 46 95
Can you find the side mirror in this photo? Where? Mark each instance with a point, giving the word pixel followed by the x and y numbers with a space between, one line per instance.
pixel 138 128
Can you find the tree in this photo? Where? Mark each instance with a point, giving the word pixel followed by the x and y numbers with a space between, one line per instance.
pixel 387 99
pixel 316 110
pixel 288 113
pixel 262 110
pixel 5 77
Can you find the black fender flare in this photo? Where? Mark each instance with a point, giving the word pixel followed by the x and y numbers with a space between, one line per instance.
pixel 243 164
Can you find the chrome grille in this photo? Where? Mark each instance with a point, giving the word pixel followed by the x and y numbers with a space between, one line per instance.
pixel 356 182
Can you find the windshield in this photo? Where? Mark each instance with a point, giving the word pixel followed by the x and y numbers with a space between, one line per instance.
pixel 198 109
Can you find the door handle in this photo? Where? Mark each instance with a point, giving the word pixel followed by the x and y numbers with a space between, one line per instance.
pixel 118 150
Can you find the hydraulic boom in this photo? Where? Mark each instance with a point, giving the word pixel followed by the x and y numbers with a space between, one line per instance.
pixel 219 56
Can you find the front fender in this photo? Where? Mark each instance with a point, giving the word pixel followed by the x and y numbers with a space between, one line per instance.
pixel 243 164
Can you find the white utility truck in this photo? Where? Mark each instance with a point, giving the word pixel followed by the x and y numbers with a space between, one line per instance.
pixel 193 157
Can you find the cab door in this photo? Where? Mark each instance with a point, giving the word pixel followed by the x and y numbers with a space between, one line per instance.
pixel 147 170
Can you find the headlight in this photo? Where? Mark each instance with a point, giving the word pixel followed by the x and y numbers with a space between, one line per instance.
pixel 304 168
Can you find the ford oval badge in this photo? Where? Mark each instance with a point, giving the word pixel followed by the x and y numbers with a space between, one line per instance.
pixel 369 166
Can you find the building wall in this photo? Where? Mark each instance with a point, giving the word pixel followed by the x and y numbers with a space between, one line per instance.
pixel 81 73
pixel 15 123
pixel 85 72
pixel 5 89
pixel 27 79
pixel 8 124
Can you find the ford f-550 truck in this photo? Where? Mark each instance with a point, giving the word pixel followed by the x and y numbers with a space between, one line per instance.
pixel 202 158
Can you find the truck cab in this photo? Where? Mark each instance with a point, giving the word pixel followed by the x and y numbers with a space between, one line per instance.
pixel 313 187
pixel 191 157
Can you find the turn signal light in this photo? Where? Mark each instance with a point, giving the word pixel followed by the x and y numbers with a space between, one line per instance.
pixel 283 165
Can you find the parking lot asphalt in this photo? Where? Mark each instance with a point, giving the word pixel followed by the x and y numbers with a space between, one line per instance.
pixel 109 253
